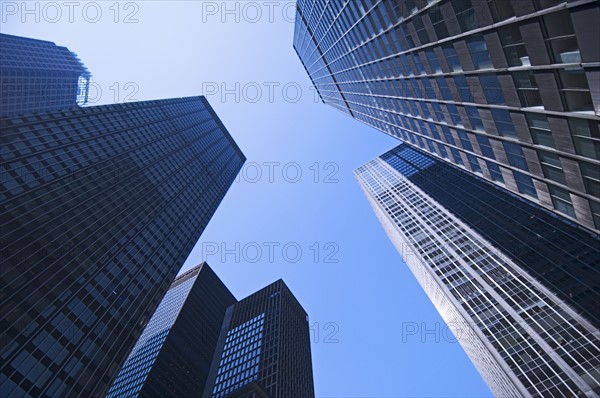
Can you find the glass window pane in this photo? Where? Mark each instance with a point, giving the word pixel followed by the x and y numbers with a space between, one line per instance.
pixel 492 90
pixel 525 184
pixel 515 156
pixel 561 200
pixel 479 52
pixel 504 123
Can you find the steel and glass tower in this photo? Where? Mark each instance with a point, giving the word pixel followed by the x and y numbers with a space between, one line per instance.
pixel 505 89
pixel 100 206
pixel 173 355
pixel 264 348
pixel 39 76
pixel 520 292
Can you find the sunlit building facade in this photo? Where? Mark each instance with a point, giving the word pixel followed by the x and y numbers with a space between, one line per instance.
pixel 524 312
pixel 507 90
pixel 38 76
pixel 173 355
pixel 264 348
pixel 100 206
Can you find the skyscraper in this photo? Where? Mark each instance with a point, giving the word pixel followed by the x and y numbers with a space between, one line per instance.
pixel 508 90
pixel 173 355
pixel 100 206
pixel 264 348
pixel 520 293
pixel 39 76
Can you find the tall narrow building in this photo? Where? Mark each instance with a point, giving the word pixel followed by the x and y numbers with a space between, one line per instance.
pixel 506 89
pixel 264 348
pixel 173 355
pixel 39 76
pixel 99 208
pixel 520 292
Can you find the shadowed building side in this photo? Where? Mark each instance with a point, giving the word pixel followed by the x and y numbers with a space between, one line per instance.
pixel 100 206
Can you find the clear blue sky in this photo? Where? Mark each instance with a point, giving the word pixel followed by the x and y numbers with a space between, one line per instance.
pixel 359 305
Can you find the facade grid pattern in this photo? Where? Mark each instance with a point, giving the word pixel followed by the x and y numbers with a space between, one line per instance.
pixel 100 206
pixel 39 76
pixel 264 348
pixel 521 337
pixel 133 374
pixel 507 90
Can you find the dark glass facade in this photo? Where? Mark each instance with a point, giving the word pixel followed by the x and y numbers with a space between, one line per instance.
pixel 264 348
pixel 517 285
pixel 39 76
pixel 173 355
pixel 505 89
pixel 100 206
pixel 561 255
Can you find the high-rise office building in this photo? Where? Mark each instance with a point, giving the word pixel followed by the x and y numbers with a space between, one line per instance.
pixel 39 76
pixel 100 206
pixel 508 90
pixel 173 355
pixel 520 293
pixel 264 348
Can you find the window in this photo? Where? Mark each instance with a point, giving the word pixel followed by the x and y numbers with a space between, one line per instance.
pixel 442 150
pixel 586 137
pixel 463 88
pixel 591 178
pixel 479 52
pixel 418 64
pixel 500 10
pixel 552 167
pixel 561 200
pixel 465 14
pixel 438 111
pixel 429 91
pixel 433 62
pixel 448 135
pixel 473 113
pixel 435 133
pixel 454 115
pixel 437 20
pixel 540 129
pixel 575 90
pixel 543 4
pixel 504 123
pixel 474 164
pixel 528 89
pixel 561 37
pixel 420 28
pixel 524 184
pixel 444 89
pixel 514 48
pixel 515 156
pixel 464 140
pixel 451 58
pixel 485 146
pixel 425 114
pixel 406 35
pixel 416 88
pixel 457 158
pixel 491 89
pixel 495 171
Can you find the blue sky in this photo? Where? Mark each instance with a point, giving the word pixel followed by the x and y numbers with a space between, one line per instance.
pixel 296 200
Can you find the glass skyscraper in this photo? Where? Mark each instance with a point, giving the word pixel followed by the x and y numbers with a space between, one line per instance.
pixel 517 285
pixel 39 76
pixel 173 355
pixel 505 89
pixel 100 206
pixel 264 348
